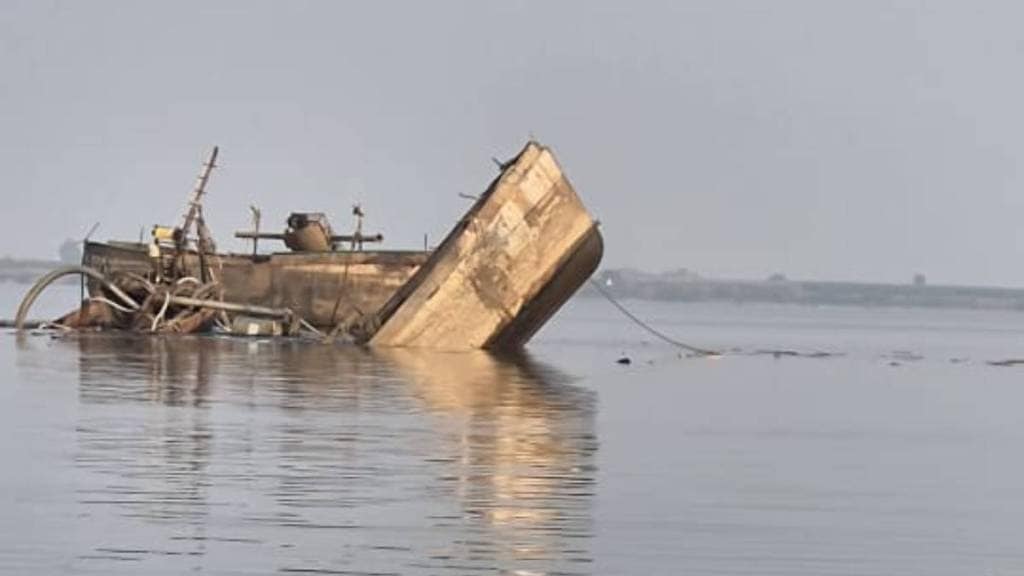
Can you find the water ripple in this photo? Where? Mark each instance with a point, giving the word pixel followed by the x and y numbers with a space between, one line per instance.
pixel 208 453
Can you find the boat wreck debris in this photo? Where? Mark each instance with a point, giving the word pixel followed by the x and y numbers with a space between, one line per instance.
pixel 519 253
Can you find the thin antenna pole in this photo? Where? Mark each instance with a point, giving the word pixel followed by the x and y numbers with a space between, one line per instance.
pixel 256 227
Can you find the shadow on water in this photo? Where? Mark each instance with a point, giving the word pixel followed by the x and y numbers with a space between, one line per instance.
pixel 216 453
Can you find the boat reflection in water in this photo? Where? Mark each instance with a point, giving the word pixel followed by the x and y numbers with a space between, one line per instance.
pixel 520 443
pixel 209 453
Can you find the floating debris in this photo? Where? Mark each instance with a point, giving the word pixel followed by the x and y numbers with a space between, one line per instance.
pixel 902 356
pixel 786 353
pixel 1007 363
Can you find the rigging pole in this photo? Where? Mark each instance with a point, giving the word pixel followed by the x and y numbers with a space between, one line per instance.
pixel 194 217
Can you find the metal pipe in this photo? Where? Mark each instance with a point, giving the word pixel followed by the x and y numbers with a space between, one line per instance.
pixel 246 235
pixel 282 313
pixel 359 238
pixel 256 227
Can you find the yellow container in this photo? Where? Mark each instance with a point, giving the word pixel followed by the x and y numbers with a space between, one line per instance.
pixel 165 233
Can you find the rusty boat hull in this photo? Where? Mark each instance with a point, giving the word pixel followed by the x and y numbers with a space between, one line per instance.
pixel 519 253
pixel 324 288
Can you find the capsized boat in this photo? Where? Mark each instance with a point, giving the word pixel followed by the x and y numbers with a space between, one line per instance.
pixel 517 255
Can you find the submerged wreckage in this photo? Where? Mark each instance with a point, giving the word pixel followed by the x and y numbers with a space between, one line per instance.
pixel 523 248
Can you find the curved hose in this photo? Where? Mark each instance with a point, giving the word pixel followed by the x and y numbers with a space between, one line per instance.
pixel 206 289
pixel 47 279
pixel 163 310
pixel 133 276
pixel 110 303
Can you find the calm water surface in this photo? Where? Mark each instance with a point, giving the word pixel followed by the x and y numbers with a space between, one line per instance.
pixel 897 454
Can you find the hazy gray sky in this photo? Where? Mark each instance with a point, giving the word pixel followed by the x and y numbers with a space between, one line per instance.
pixel 837 140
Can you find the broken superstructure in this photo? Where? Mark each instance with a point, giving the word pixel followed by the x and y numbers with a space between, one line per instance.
pixel 524 247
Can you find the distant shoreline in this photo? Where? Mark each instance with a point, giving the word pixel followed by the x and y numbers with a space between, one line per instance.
pixel 26 272
pixel 687 287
